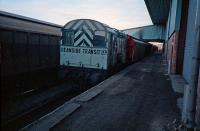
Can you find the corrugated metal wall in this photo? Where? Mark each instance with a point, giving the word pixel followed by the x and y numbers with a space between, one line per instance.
pixel 190 40
pixel 154 32
pixel 172 32
pixel 167 35
pixel 198 103
pixel 167 28
pixel 175 16
pixel 151 33
pixel 198 88
pixel 182 35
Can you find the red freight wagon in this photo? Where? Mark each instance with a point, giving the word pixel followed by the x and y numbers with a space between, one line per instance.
pixel 130 50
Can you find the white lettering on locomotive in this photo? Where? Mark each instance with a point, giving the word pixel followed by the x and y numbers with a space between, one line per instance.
pixel 84 51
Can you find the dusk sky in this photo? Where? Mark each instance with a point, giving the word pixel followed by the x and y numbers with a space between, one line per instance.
pixel 120 14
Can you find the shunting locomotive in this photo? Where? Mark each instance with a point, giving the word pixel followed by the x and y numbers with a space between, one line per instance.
pixel 91 50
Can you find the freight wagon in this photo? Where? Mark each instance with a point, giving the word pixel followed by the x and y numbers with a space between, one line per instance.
pixel 29 52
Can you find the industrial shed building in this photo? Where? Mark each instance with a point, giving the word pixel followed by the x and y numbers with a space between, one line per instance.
pixel 181 19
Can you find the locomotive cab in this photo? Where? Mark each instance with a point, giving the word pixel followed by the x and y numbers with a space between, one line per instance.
pixel 84 45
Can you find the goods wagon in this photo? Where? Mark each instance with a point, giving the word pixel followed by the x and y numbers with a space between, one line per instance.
pixel 29 49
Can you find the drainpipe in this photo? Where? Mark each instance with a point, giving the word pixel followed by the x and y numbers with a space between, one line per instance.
pixel 192 89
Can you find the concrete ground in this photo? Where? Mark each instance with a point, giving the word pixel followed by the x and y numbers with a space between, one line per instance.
pixel 142 99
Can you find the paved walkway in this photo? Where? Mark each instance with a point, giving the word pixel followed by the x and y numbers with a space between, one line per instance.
pixel 141 99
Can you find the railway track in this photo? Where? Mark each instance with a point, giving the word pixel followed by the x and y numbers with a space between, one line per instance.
pixel 43 107
pixel 41 101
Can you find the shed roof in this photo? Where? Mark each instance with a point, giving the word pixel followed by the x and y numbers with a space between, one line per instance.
pixel 158 10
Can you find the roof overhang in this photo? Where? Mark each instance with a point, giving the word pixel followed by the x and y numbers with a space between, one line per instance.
pixel 158 10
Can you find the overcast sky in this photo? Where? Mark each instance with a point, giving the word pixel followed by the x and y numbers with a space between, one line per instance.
pixel 120 14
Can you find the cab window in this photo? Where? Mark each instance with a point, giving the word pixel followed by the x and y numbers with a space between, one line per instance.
pixel 99 39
